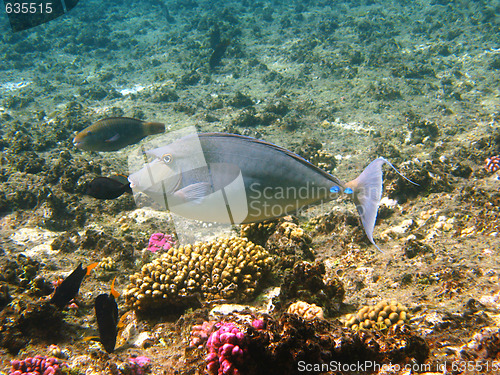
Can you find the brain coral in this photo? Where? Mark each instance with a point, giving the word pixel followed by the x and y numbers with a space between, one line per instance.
pixel 228 268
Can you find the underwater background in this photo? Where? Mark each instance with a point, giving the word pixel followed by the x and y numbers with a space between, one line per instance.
pixel 339 83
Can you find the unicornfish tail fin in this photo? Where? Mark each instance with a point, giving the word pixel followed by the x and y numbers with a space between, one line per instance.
pixel 366 192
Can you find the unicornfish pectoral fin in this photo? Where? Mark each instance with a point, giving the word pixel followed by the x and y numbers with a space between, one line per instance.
pixel 367 193
pixel 194 192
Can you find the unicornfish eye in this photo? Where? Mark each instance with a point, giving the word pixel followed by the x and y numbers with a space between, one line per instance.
pixel 166 158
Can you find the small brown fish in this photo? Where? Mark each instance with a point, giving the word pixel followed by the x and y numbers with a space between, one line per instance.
pixel 114 133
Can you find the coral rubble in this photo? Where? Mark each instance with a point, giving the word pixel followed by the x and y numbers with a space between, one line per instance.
pixel 311 283
pixel 284 238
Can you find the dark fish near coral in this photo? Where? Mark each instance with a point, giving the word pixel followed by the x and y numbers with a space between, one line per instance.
pixel 161 4
pixel 234 179
pixel 108 187
pixel 70 286
pixel 106 312
pixel 217 54
pixel 214 36
pixel 114 133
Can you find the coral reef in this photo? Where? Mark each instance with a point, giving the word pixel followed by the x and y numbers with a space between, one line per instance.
pixel 20 271
pixel 311 283
pixel 229 268
pixel 227 349
pixel 200 333
pixel 107 264
pixel 37 365
pixel 258 324
pixel 135 366
pixel 306 310
pixel 259 232
pixel 421 131
pixel 24 323
pixel 5 297
pixel 431 177
pixel 492 163
pixel 108 244
pixel 381 316
pixel 291 243
pixel 484 345
pixel 413 247
pixel 312 150
pixel 160 241
pixel 240 100
pixel 284 238
pixel 277 346
pixel 56 351
pixel 343 225
pixel 294 339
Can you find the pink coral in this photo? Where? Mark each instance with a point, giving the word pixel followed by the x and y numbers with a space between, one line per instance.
pixel 37 365
pixel 226 350
pixel 139 365
pixel 258 324
pixel 200 333
pixel 160 241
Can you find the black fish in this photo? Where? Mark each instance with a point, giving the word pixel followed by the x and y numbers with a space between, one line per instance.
pixel 218 52
pixel 214 36
pixel 106 312
pixel 70 286
pixel 163 7
pixel 108 187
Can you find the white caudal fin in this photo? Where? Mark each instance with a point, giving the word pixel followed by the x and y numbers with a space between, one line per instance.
pixel 367 193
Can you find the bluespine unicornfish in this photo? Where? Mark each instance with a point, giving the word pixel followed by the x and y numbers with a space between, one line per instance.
pixel 229 178
pixel 69 287
pixel 114 133
pixel 106 311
